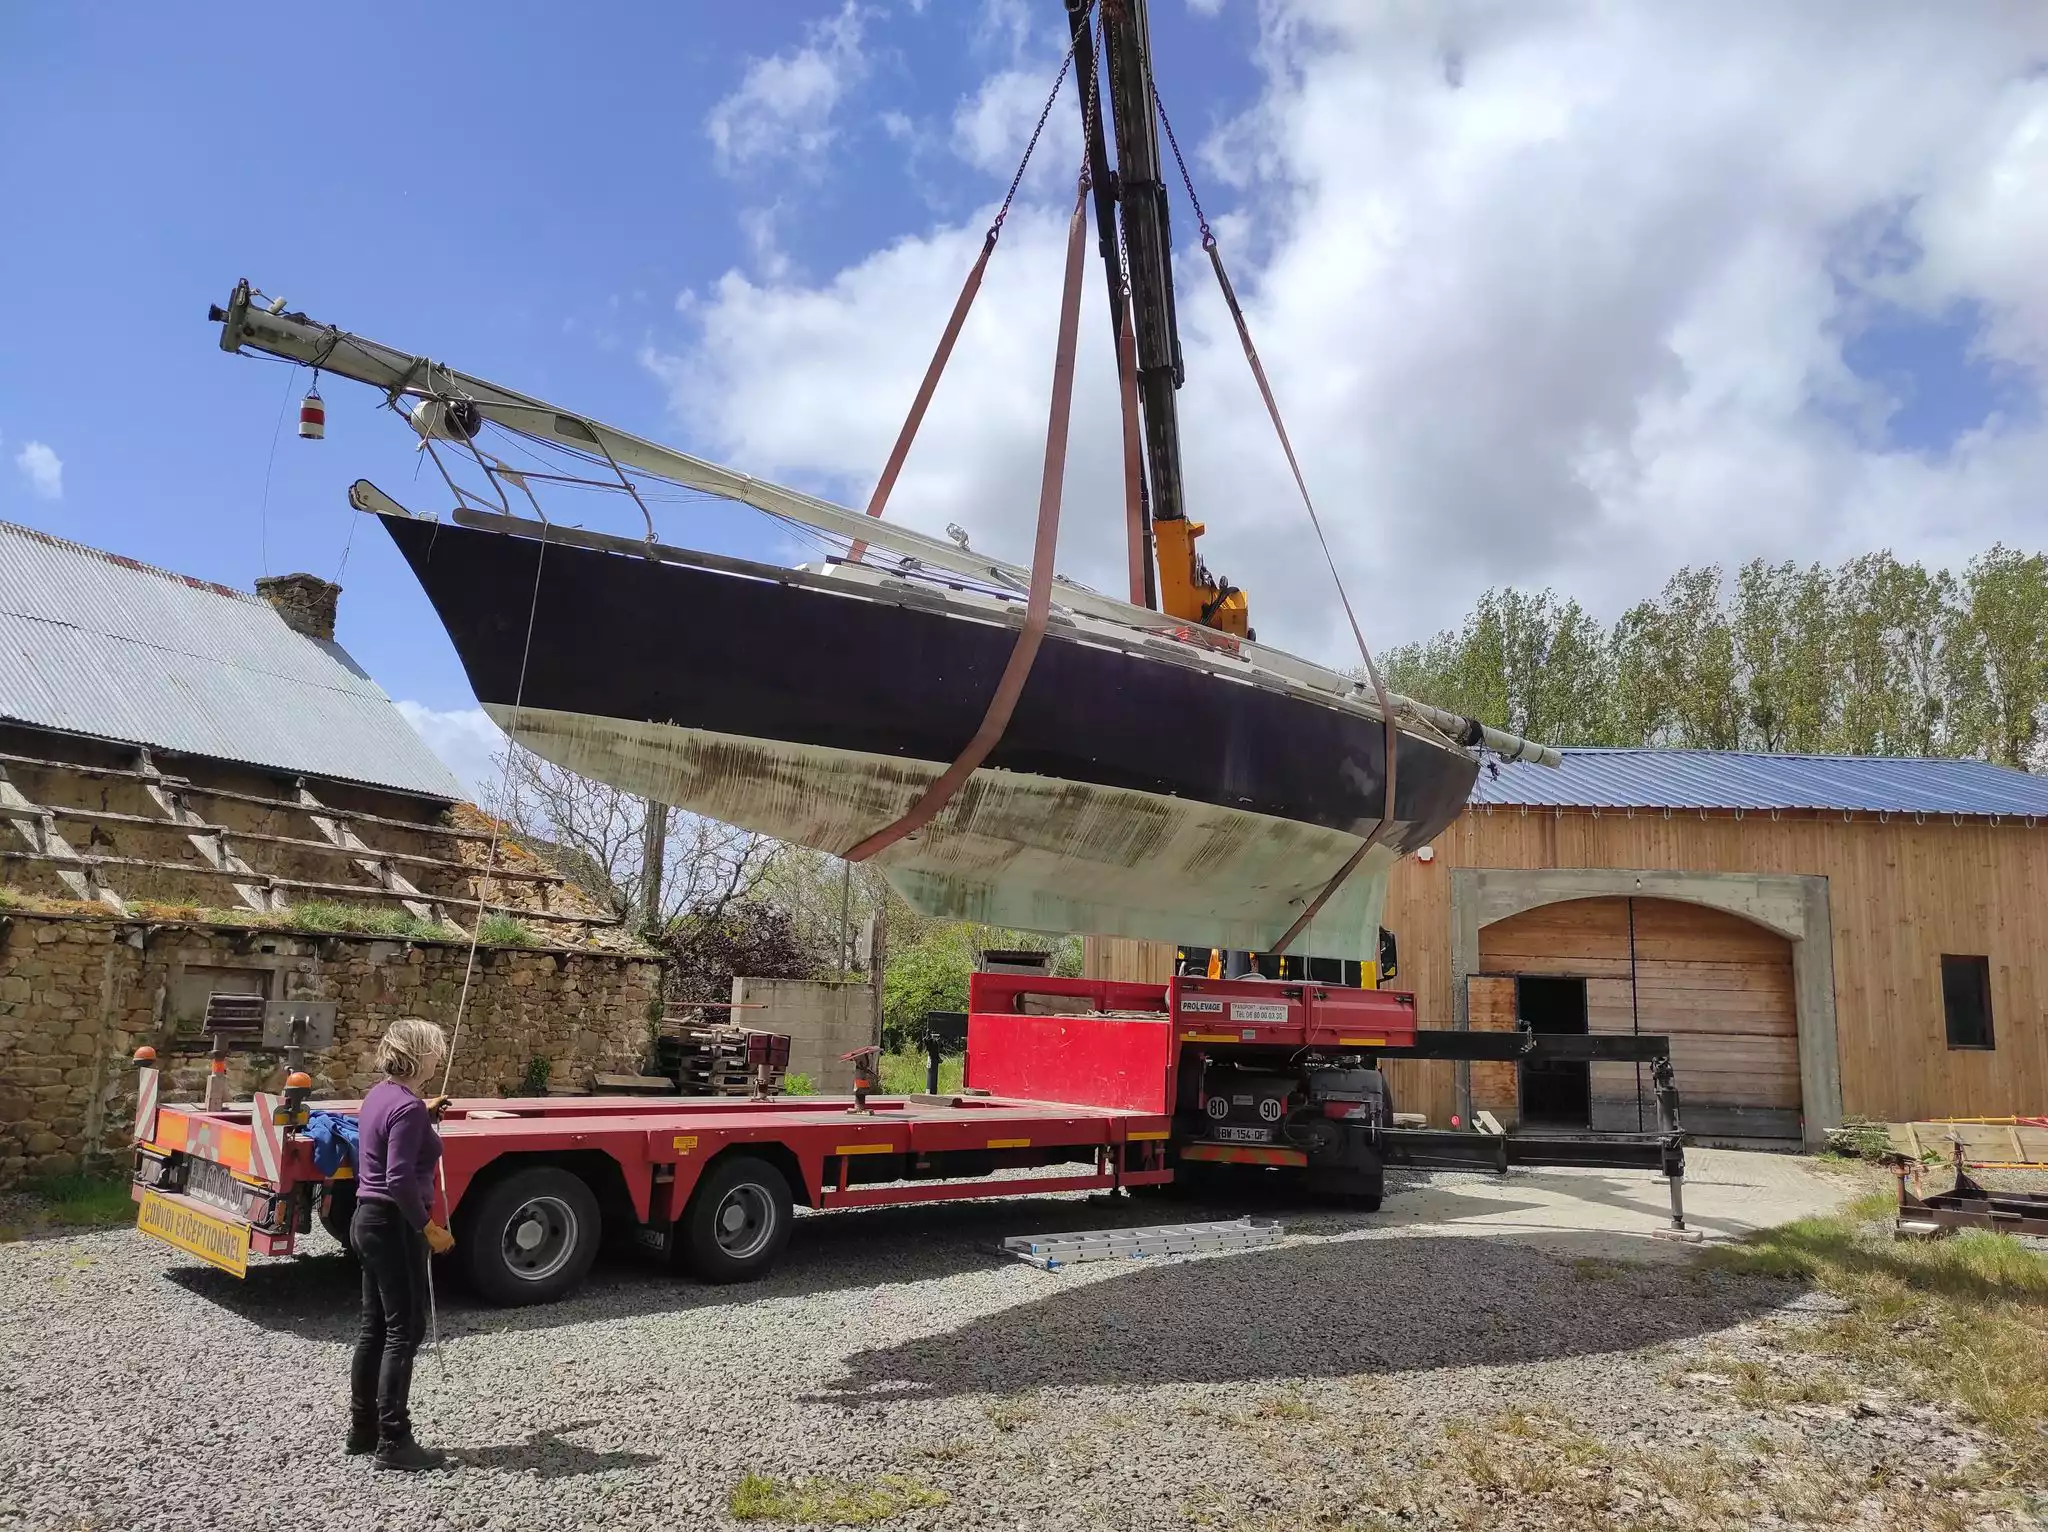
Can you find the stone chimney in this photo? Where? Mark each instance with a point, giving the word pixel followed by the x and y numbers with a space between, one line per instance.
pixel 306 602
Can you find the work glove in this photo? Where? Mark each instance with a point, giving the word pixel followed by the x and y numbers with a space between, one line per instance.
pixel 439 1240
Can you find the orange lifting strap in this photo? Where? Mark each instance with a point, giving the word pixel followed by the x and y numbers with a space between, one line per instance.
pixel 1000 706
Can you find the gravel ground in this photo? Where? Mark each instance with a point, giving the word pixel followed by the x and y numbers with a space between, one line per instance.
pixel 1245 1390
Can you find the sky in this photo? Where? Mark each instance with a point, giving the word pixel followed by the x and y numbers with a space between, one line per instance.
pixel 1552 292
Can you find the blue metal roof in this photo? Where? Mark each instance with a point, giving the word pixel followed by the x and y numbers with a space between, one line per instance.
pixel 93 643
pixel 1730 779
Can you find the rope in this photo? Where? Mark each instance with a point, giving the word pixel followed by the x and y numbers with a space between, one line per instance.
pixel 497 824
pixel 1386 708
pixel 886 484
pixel 1011 685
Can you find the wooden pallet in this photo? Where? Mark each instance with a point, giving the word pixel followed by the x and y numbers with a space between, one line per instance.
pixel 2015 1143
pixel 711 1058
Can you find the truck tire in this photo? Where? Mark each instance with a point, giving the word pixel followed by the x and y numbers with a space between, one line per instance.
pixel 336 1210
pixel 529 1238
pixel 737 1221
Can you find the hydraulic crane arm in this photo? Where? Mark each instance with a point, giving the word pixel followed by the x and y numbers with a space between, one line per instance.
pixel 1138 194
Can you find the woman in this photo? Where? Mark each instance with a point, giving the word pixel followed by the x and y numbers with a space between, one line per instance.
pixel 398 1148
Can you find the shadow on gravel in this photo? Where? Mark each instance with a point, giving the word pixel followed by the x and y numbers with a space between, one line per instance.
pixel 546 1456
pixel 315 1296
pixel 1339 1309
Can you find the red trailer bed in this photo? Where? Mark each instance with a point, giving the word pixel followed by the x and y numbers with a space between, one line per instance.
pixel 529 1183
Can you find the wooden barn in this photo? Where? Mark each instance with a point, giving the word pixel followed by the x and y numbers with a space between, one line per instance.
pixel 1820 936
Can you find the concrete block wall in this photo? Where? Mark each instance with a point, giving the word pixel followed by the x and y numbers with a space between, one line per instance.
pixel 823 1018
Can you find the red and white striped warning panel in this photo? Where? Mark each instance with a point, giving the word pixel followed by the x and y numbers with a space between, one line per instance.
pixel 145 1104
pixel 266 1138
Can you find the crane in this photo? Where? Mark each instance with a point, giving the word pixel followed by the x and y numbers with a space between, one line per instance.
pixel 1136 243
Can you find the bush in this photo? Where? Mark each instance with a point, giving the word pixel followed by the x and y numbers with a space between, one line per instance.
pixel 535 1081
pixel 705 952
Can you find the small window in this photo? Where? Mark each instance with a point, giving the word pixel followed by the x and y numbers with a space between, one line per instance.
pixel 1966 1000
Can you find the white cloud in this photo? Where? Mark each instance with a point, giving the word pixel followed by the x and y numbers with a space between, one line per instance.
pixel 992 126
pixel 43 469
pixel 1550 295
pixel 467 742
pixel 782 109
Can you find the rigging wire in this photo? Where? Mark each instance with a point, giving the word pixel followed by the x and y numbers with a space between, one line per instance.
pixel 1390 729
pixel 497 821
pixel 263 507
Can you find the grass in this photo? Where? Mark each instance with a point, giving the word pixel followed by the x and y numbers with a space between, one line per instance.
pixel 1288 1404
pixel 903 1074
pixel 1553 1473
pixel 1960 1321
pixel 826 1502
pixel 365 919
pixel 1009 1414
pixel 74 1202
pixel 798 1084
pixel 504 931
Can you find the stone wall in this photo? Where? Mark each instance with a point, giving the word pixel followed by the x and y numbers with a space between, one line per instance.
pixel 823 1017
pixel 79 994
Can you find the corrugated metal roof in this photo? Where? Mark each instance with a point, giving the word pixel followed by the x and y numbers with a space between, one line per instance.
pixel 1728 779
pixel 93 643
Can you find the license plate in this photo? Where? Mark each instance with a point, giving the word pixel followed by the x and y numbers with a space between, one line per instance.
pixel 218 1241
pixel 1244 1135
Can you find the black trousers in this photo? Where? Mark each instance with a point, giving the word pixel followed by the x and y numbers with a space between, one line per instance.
pixel 394 1259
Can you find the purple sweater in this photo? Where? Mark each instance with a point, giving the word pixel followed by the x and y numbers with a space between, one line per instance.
pixel 397 1151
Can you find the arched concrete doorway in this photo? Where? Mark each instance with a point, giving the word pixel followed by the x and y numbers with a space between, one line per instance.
pixel 1780 930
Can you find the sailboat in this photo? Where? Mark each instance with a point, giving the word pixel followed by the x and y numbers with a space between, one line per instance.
pixel 1142 773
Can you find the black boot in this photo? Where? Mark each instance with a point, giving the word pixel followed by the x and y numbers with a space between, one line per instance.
pixel 362 1432
pixel 399 1452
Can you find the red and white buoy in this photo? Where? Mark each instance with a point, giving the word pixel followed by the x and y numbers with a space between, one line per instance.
pixel 313 415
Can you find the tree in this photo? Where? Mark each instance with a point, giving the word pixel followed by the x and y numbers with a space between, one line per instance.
pixel 1678 655
pixel 1782 627
pixel 599 837
pixel 2000 670
pixel 1524 662
pixel 1874 657
pixel 1892 623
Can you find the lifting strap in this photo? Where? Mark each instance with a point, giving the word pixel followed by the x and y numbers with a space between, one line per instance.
pixel 879 501
pixel 1372 671
pixel 1038 606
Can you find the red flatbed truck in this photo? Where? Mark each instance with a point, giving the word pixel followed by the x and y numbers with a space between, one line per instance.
pixel 1096 1085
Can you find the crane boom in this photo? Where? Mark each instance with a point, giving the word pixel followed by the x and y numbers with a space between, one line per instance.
pixel 1137 198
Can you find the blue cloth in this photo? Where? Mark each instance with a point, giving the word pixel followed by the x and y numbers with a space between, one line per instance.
pixel 334 1141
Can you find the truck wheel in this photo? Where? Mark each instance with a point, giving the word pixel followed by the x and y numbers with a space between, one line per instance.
pixel 336 1210
pixel 529 1238
pixel 1361 1188
pixel 738 1220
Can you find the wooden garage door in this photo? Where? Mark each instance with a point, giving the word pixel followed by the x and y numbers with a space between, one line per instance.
pixel 1718 986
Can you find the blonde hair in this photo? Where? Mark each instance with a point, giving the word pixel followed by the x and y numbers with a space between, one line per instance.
pixel 409 1046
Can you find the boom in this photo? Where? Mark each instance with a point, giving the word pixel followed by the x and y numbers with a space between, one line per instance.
pixel 1186 588
pixel 459 403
